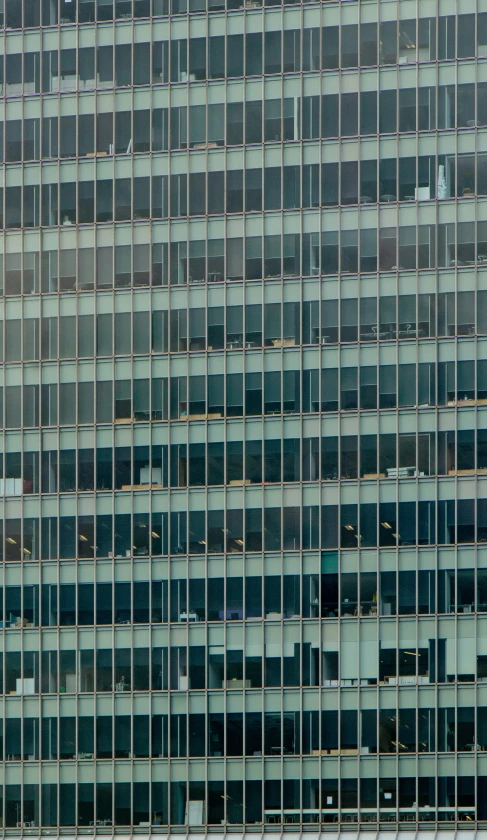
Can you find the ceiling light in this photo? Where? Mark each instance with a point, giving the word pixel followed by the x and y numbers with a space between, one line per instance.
pixel 349 527
pixel 82 537
pixel 155 534
pixel 11 540
pixel 27 551
pixel 386 525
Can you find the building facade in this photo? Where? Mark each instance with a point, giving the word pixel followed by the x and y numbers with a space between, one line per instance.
pixel 244 415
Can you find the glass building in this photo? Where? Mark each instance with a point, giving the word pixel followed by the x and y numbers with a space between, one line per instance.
pixel 244 415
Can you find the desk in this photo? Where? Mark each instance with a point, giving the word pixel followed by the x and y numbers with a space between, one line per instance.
pixel 200 416
pixel 481 470
pixel 205 145
pixel 283 342
pixel 464 402
pixel 407 333
pixel 375 334
pixel 420 679
pixel 412 813
pixel 400 472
